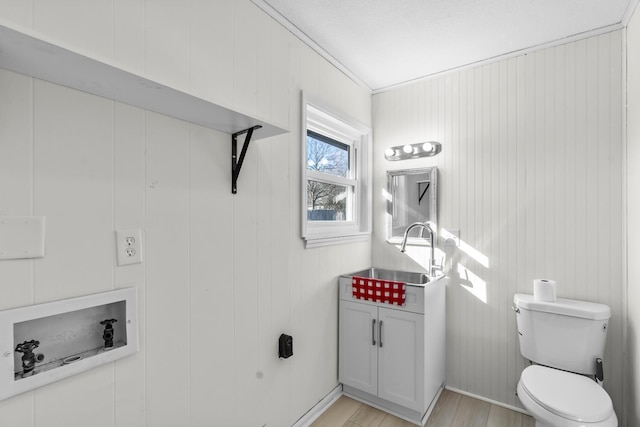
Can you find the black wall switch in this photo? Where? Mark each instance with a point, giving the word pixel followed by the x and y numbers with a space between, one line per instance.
pixel 285 347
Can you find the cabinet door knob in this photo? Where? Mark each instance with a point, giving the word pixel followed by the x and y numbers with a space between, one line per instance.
pixel 380 336
pixel 373 332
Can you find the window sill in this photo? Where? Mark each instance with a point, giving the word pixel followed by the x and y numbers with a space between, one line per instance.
pixel 317 242
pixel 411 241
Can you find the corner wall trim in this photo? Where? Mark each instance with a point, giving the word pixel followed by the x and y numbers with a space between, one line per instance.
pixel 319 408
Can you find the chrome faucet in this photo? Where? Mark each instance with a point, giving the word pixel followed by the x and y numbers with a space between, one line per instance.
pixel 424 226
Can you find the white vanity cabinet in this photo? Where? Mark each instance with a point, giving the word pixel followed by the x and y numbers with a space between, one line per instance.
pixel 382 352
pixel 392 357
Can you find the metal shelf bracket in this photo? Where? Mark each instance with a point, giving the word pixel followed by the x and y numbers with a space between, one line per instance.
pixel 236 163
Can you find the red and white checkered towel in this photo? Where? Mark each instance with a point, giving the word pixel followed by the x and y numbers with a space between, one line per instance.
pixel 376 290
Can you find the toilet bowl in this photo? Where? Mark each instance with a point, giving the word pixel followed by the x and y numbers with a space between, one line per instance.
pixel 556 398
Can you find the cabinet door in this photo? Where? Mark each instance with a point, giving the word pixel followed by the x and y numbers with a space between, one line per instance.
pixel 401 358
pixel 357 350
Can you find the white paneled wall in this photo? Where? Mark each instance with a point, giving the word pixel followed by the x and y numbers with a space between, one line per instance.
pixel 532 174
pixel 223 275
pixel 632 359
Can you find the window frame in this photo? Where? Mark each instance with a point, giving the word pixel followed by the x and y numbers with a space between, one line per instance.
pixel 324 120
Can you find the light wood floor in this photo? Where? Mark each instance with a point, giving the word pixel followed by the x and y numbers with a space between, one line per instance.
pixel 451 410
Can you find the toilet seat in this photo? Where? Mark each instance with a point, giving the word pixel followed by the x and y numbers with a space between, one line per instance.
pixel 562 398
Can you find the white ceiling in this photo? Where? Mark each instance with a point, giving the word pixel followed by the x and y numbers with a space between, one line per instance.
pixel 383 43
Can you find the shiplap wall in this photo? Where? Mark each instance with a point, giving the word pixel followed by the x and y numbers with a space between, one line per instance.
pixel 632 360
pixel 224 275
pixel 532 174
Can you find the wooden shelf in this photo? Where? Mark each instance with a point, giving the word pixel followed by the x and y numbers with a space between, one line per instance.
pixel 22 51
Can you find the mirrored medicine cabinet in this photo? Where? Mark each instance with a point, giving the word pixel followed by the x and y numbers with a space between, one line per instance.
pixel 413 197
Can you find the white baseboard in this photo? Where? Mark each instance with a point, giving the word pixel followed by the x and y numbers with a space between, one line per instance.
pixel 432 405
pixel 484 399
pixel 319 408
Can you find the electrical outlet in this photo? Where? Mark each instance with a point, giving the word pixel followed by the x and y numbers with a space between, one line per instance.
pixel 129 246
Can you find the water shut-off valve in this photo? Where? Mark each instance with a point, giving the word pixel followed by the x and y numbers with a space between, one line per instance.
pixel 599 371
pixel 29 358
pixel 107 335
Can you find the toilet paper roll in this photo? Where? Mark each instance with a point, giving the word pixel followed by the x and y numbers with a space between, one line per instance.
pixel 544 290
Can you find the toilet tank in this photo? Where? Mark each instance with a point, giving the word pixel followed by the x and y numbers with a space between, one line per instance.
pixel 566 334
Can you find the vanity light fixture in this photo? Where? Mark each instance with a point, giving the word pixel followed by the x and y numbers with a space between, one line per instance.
pixel 413 151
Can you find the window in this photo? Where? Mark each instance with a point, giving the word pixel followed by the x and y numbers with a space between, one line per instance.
pixel 329 179
pixel 336 173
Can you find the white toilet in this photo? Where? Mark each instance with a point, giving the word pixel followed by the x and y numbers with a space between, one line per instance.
pixel 565 340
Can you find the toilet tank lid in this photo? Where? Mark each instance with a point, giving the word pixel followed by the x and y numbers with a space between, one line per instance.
pixel 567 307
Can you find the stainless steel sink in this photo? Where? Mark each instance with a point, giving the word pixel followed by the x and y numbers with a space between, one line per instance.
pixel 394 275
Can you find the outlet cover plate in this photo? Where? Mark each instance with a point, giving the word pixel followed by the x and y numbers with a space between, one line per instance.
pixel 129 246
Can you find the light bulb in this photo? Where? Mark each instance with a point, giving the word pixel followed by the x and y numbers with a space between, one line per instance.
pixel 413 151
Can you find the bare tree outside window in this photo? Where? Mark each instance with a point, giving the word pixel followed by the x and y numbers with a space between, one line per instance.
pixel 327 201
